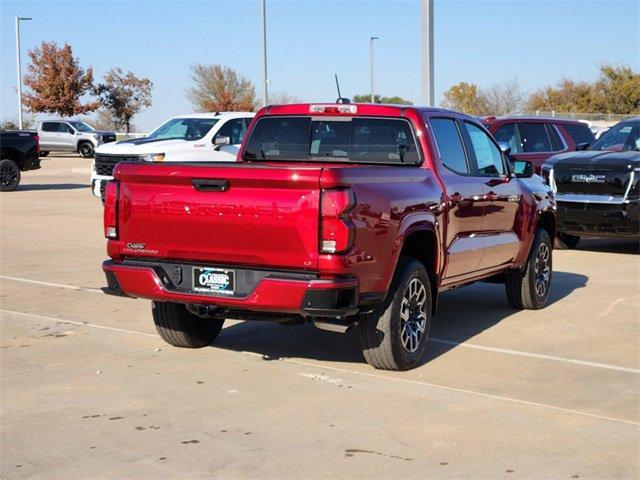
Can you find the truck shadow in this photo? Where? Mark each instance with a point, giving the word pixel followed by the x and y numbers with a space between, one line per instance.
pixel 51 186
pixel 462 314
pixel 610 245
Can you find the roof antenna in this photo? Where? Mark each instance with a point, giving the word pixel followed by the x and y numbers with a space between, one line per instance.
pixel 340 99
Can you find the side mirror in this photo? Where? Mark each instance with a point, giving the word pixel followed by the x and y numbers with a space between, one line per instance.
pixel 582 146
pixel 523 168
pixel 220 141
pixel 505 147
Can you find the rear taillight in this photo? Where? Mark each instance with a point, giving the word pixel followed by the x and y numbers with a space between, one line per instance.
pixel 336 229
pixel 36 137
pixel 111 209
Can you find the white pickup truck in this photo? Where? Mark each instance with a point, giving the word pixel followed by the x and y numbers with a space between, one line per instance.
pixel 197 137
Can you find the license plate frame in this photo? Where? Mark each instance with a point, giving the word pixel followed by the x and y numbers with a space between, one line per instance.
pixel 216 281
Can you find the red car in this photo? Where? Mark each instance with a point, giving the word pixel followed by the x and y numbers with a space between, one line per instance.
pixel 536 139
pixel 341 214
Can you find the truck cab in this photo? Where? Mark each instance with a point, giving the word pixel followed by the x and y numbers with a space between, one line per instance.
pixel 197 137
pixel 344 215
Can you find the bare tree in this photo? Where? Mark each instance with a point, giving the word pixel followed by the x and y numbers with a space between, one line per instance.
pixel 283 98
pixel 504 98
pixel 220 89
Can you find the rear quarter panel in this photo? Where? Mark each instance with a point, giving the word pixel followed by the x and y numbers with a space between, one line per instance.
pixel 391 203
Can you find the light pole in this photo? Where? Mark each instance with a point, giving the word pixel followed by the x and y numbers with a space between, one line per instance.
pixel 371 39
pixel 19 69
pixel 427 52
pixel 263 28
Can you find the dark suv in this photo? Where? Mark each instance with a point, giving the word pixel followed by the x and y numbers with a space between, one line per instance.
pixel 536 138
pixel 598 190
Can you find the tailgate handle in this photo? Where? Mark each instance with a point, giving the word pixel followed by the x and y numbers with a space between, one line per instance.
pixel 210 184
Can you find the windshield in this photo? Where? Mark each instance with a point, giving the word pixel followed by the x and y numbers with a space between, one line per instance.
pixel 348 139
pixel 82 127
pixel 184 128
pixel 623 137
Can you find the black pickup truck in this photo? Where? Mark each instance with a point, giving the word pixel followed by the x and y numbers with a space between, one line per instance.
pixel 598 189
pixel 19 151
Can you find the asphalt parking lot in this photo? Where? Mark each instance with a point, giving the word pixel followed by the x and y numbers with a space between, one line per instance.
pixel 90 391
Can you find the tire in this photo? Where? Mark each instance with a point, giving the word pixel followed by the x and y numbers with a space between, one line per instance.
pixel 528 288
pixel 564 241
pixel 44 154
pixel 9 175
pixel 181 328
pixel 85 149
pixel 389 342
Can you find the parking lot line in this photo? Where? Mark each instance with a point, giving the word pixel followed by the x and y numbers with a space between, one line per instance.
pixel 357 372
pixel 49 284
pixel 504 351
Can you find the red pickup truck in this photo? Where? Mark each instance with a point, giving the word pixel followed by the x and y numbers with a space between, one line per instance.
pixel 341 214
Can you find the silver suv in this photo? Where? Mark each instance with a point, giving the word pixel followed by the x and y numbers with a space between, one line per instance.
pixel 71 136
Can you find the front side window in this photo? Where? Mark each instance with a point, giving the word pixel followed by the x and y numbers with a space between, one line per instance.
pixel 348 139
pixel 234 129
pixel 508 133
pixel 488 156
pixel 64 128
pixel 184 129
pixel 622 137
pixel 449 145
pixel 534 138
pixel 82 127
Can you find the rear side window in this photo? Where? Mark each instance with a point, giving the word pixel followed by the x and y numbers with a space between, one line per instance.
pixel 348 139
pixel 49 127
pixel 508 133
pixel 534 138
pixel 579 133
pixel 449 144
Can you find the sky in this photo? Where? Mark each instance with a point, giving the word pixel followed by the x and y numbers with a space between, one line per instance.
pixel 483 42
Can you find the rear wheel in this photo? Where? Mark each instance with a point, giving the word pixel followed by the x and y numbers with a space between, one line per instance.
pixel 394 336
pixel 85 149
pixel 181 328
pixel 529 288
pixel 564 241
pixel 9 175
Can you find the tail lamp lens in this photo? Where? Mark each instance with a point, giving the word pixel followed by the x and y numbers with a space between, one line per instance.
pixel 336 233
pixel 111 210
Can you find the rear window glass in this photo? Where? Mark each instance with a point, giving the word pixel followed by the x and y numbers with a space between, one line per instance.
pixel 579 133
pixel 534 138
pixel 348 139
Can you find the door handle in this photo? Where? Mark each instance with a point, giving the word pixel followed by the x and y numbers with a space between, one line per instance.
pixel 210 184
pixel 458 199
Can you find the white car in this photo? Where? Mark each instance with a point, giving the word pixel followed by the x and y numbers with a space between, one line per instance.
pixel 197 137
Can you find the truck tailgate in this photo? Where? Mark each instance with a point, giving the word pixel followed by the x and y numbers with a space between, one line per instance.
pixel 220 213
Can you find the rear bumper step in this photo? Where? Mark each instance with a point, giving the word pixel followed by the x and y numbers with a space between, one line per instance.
pixel 301 294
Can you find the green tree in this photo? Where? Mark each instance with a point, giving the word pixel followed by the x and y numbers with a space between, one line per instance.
pixel 366 98
pixel 220 89
pixel 465 97
pixel 124 95
pixel 617 90
pixel 568 96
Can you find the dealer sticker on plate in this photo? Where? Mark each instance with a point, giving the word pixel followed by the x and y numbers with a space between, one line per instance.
pixel 214 280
